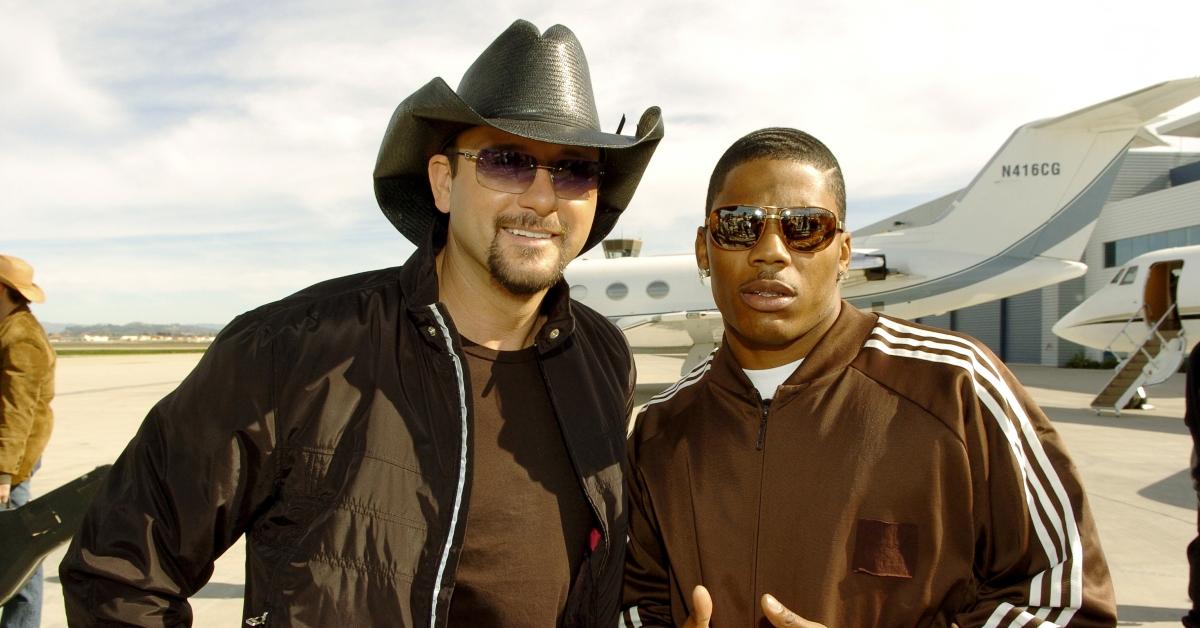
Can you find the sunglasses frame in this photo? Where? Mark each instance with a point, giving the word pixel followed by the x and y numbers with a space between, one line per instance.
pixel 550 169
pixel 778 214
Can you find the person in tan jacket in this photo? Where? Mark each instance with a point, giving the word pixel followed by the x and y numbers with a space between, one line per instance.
pixel 26 388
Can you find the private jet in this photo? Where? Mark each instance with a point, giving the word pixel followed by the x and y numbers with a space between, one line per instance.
pixel 1150 314
pixel 1159 289
pixel 1022 223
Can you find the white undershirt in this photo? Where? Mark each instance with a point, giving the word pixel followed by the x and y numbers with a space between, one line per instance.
pixel 767 380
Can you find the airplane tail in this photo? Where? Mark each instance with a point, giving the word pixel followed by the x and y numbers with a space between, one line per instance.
pixel 1133 110
pixel 1041 193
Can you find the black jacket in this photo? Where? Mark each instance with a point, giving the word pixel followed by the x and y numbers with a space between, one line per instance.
pixel 332 429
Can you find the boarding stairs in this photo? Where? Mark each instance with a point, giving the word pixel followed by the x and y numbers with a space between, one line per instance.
pixel 1157 355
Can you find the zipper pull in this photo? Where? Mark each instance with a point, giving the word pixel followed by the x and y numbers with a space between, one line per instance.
pixel 261 620
pixel 762 426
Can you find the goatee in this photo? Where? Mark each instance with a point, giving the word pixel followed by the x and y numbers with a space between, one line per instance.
pixel 515 275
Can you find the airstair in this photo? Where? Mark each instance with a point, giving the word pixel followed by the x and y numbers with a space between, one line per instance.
pixel 1157 355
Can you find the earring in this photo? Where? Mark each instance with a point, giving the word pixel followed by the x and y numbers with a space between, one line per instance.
pixel 842 274
pixel 705 273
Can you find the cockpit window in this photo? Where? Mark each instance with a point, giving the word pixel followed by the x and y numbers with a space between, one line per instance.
pixel 1129 276
pixel 1117 276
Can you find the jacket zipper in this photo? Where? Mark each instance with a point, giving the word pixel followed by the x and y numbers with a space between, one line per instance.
pixel 462 461
pixel 762 425
pixel 764 407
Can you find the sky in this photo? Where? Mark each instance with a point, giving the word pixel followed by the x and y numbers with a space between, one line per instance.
pixel 187 161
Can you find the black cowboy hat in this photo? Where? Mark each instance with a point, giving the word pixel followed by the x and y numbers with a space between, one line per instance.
pixel 533 85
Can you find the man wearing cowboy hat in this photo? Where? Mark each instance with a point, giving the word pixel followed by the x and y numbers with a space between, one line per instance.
pixel 437 444
pixel 26 388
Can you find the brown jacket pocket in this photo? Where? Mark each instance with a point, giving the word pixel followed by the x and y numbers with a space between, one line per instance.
pixel 883 548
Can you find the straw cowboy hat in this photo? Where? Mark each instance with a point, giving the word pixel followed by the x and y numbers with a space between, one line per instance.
pixel 536 86
pixel 18 274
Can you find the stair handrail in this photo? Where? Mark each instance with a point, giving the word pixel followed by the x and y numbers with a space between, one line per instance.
pixel 1162 319
pixel 1163 341
pixel 1138 313
pixel 1140 347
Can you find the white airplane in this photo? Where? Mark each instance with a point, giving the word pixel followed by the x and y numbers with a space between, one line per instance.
pixel 1022 223
pixel 1162 285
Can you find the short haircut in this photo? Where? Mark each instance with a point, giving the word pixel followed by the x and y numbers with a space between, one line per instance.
pixel 783 144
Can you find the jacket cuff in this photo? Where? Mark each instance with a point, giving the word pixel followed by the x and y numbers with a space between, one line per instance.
pixel 5 478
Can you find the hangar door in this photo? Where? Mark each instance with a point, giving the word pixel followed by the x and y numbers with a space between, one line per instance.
pixel 1022 322
pixel 983 322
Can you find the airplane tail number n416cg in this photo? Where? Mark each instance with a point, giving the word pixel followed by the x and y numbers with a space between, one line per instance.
pixel 1022 223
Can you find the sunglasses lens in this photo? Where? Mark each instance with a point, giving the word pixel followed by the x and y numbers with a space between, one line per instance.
pixel 575 178
pixel 805 229
pixel 808 229
pixel 736 228
pixel 513 172
pixel 505 170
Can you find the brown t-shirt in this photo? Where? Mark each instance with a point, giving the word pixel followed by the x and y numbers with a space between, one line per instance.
pixel 528 522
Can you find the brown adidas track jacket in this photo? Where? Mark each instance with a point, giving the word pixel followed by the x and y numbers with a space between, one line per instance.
pixel 900 477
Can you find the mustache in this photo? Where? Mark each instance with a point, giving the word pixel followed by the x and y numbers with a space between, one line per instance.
pixel 531 222
pixel 768 274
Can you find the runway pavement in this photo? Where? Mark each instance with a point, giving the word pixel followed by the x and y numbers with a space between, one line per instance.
pixel 1134 469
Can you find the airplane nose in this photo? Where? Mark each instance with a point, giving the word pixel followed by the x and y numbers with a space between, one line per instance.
pixel 1067 327
pixel 1063 323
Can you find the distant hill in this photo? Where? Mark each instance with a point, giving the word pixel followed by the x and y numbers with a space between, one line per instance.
pixel 139 329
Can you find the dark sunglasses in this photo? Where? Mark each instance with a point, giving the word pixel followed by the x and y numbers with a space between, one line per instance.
pixel 512 171
pixel 805 229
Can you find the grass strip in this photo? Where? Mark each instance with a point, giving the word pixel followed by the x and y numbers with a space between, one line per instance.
pixel 68 352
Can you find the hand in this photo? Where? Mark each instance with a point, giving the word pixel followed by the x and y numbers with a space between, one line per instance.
pixel 5 489
pixel 701 609
pixel 780 616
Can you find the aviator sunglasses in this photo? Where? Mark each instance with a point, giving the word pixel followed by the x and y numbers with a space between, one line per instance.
pixel 804 229
pixel 511 171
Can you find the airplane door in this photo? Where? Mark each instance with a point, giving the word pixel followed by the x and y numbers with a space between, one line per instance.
pixel 1159 294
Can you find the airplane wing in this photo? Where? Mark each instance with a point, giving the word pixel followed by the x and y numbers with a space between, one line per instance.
pixel 695 332
pixel 866 265
pixel 671 331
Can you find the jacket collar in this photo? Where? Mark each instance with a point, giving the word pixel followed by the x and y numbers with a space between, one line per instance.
pixel 831 355
pixel 19 313
pixel 419 284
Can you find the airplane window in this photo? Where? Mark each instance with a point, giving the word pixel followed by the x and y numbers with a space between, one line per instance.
pixel 1114 279
pixel 617 291
pixel 1129 276
pixel 579 292
pixel 658 289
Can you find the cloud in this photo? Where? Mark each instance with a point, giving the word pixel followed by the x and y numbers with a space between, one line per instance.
pixel 43 92
pixel 241 133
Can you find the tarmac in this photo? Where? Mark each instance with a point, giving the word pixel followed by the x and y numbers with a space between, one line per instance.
pixel 1135 470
